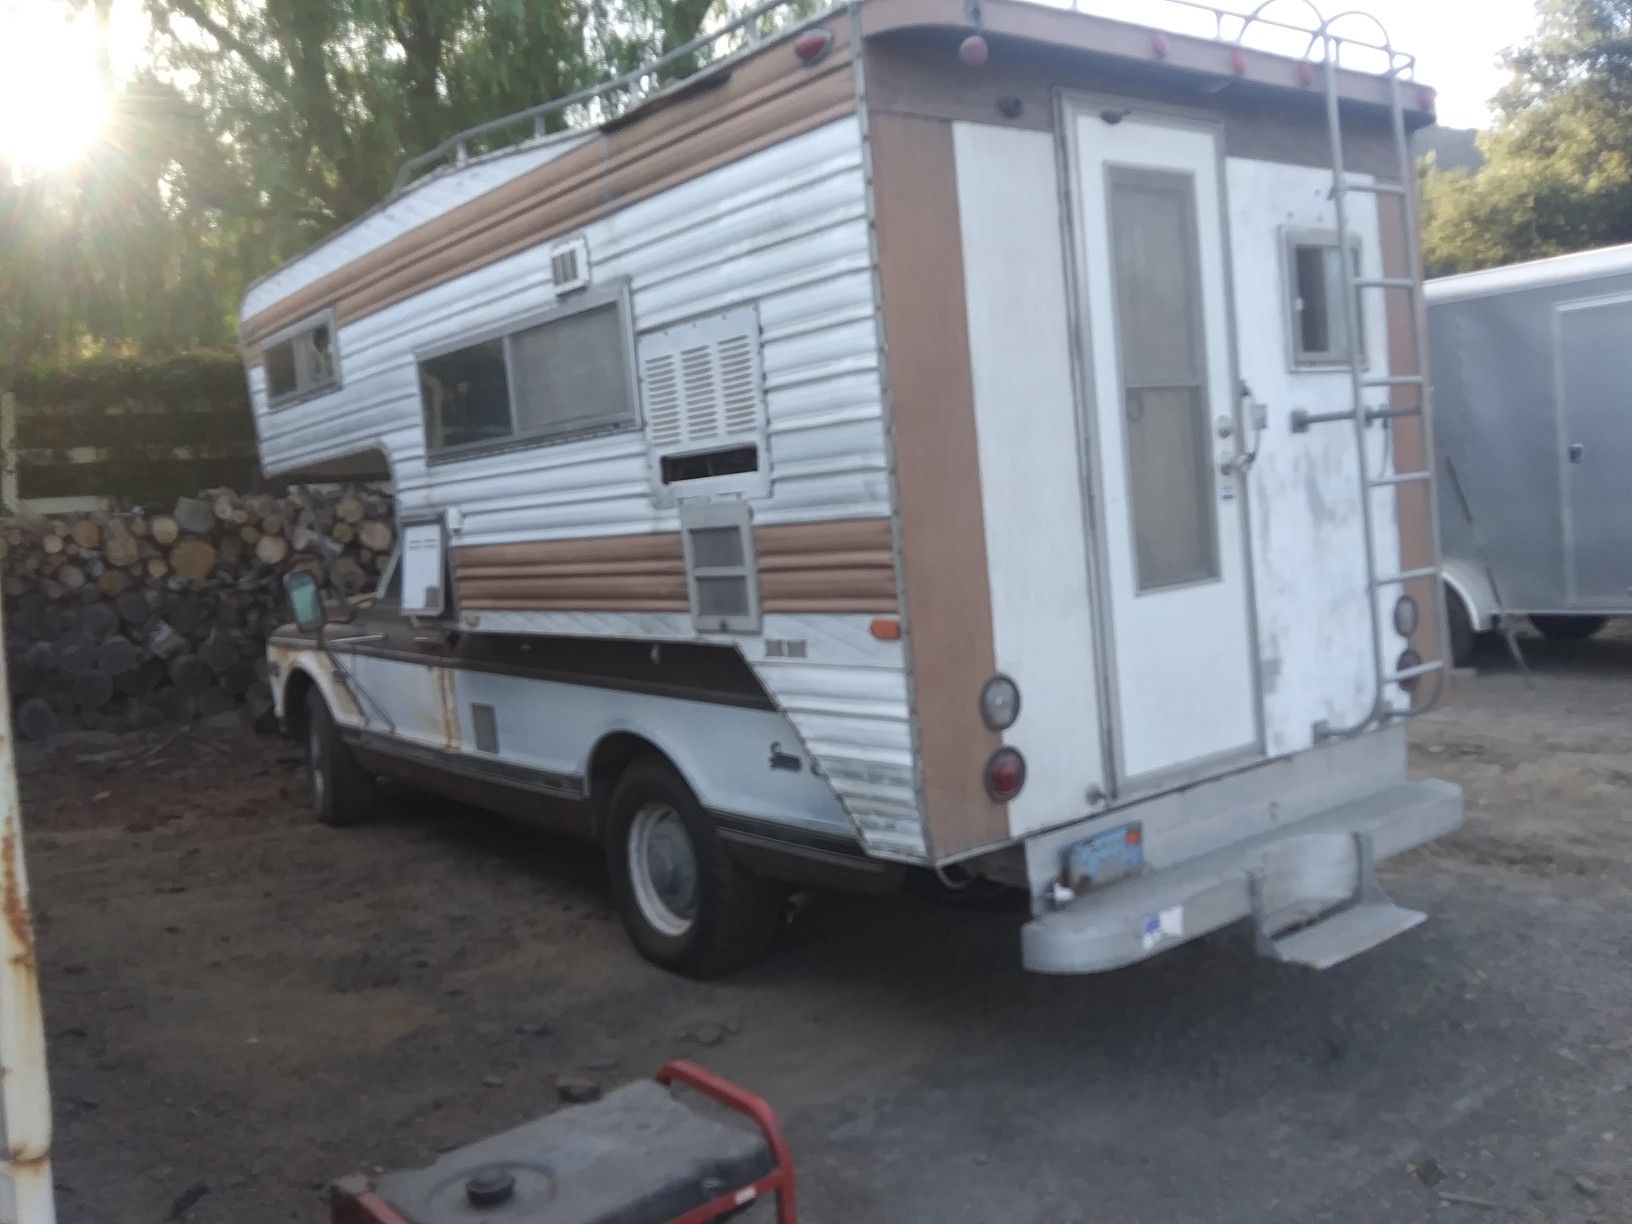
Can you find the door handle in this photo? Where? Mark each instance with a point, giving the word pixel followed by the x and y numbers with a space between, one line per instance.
pixel 1576 452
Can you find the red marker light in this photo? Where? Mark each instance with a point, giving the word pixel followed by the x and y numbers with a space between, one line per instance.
pixel 973 51
pixel 1005 774
pixel 1238 63
pixel 1406 662
pixel 1160 46
pixel 812 45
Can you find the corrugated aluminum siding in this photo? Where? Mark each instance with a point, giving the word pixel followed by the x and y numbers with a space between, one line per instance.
pixel 784 229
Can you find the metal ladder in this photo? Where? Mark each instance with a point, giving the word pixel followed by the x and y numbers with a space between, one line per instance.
pixel 1362 416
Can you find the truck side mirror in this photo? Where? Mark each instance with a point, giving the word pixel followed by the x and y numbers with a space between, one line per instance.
pixel 305 601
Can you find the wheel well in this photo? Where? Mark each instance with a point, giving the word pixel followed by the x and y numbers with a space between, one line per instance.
pixel 295 689
pixel 611 757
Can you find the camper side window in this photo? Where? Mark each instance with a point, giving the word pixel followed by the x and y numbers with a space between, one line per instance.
pixel 1319 324
pixel 545 379
pixel 301 362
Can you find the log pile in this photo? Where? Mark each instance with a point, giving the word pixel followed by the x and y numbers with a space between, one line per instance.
pixel 120 621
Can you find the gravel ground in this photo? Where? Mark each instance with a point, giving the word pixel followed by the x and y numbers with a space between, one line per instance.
pixel 242 1004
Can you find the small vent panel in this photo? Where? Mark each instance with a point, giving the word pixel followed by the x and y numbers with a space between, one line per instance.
pixel 484 721
pixel 569 265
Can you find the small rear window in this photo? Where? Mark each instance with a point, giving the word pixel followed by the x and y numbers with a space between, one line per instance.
pixel 301 362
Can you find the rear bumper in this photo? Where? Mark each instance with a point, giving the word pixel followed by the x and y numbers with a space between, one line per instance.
pixel 1301 869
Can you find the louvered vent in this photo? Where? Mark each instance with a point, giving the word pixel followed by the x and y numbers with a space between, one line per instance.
pixel 705 406
pixel 569 265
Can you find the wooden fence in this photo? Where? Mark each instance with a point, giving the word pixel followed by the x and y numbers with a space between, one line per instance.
pixel 116 432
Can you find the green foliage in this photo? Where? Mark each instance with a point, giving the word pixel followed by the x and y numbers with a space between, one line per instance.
pixel 264 125
pixel 1558 163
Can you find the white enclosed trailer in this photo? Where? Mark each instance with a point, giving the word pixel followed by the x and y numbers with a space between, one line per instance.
pixel 1531 367
pixel 924 440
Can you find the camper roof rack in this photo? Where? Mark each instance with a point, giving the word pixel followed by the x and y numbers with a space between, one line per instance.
pixel 1315 41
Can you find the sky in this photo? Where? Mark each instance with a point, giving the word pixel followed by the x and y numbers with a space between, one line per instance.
pixel 1456 43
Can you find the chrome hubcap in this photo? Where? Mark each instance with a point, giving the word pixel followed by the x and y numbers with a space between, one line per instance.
pixel 663 869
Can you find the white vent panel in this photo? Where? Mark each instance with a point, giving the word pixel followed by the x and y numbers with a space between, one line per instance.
pixel 569 265
pixel 664 403
pixel 703 392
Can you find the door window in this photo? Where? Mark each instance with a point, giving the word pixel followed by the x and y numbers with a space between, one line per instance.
pixel 1157 276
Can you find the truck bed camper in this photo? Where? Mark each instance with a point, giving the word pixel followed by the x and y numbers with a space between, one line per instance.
pixel 978 443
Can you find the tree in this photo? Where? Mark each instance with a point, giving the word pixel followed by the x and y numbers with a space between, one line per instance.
pixel 314 103
pixel 1558 162
pixel 111 253
pixel 263 125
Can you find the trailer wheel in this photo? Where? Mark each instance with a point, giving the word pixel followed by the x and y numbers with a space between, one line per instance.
pixel 1568 628
pixel 686 903
pixel 343 792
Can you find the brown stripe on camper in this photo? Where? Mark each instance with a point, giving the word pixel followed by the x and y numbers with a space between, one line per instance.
pixel 762 101
pixel 844 566
pixel 1408 441
pixel 943 531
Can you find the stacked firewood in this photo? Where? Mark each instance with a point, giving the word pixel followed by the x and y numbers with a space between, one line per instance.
pixel 119 621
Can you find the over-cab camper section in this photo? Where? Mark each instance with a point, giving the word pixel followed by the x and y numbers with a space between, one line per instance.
pixel 980 383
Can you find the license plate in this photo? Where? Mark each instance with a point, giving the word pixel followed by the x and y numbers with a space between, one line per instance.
pixel 1105 858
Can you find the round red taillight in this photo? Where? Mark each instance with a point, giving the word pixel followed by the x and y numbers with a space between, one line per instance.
pixel 812 45
pixel 973 51
pixel 1005 774
pixel 1406 662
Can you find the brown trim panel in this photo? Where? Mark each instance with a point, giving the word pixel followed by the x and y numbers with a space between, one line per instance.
pixel 1066 32
pixel 1410 444
pixel 943 529
pixel 917 73
pixel 842 566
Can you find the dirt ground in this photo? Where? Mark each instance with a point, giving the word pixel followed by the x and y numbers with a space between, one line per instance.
pixel 242 1004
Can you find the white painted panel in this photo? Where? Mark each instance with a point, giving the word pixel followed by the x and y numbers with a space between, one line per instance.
pixel 1030 474
pixel 424 564
pixel 1304 490
pixel 846 700
pixel 1183 682
pixel 410 695
pixel 722 750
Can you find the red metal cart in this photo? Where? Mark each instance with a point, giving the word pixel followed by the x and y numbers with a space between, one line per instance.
pixel 640 1155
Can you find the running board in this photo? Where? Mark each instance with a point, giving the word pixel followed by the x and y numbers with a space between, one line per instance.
pixel 1370 919
pixel 1352 931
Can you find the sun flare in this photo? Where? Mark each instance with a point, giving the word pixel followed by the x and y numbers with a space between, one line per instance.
pixel 54 95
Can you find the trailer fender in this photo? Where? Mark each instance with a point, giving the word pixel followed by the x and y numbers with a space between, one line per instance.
pixel 1470 582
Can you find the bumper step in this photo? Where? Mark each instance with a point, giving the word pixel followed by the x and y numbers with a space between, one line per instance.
pixel 1309 887
pixel 1349 933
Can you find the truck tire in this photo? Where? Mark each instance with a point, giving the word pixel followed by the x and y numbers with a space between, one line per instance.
pixel 1568 628
pixel 343 792
pixel 687 904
